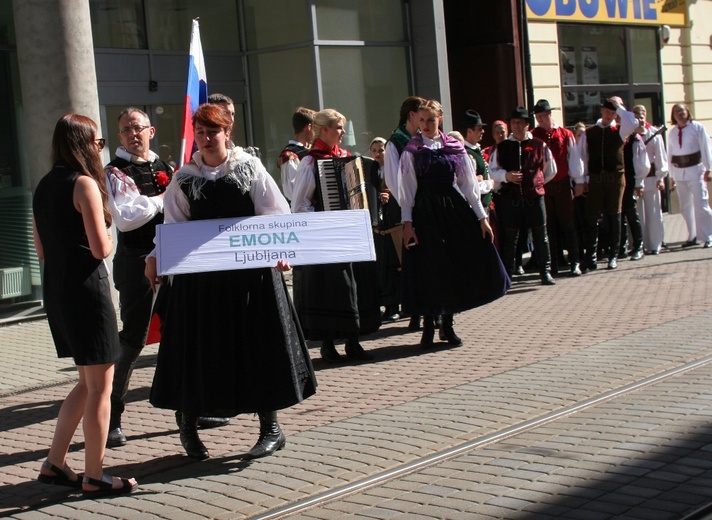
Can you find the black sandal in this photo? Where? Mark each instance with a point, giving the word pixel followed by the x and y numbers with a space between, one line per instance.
pixel 61 477
pixel 106 486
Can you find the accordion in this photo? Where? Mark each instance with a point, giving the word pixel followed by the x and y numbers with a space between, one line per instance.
pixel 347 183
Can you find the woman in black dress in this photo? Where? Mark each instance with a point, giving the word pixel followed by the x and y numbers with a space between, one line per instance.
pixel 450 263
pixel 71 217
pixel 230 342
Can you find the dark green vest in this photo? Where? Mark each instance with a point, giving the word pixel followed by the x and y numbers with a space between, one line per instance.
pixel 482 169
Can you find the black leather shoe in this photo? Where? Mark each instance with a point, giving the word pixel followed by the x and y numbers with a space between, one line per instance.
pixel 212 422
pixel 426 340
pixel 116 438
pixel 547 279
pixel 192 444
pixel 690 243
pixel 354 350
pixel 329 353
pixel 271 437
pixel 636 255
pixel 613 263
pixel 575 269
pixel 414 323
pixel 447 332
pixel 708 244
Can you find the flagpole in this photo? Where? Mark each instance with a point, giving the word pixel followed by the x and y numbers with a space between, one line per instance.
pixel 196 93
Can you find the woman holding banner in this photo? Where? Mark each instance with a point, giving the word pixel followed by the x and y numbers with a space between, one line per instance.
pixel 230 341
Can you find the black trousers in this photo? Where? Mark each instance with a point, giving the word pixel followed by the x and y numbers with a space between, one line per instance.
pixel 531 213
pixel 135 303
pixel 631 218
pixel 560 219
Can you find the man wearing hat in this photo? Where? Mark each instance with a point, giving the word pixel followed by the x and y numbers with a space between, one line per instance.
pixel 558 199
pixel 472 129
pixel 603 162
pixel 522 164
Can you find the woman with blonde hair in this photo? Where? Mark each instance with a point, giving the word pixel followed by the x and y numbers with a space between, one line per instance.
pixel 333 301
pixel 71 218
pixel 449 263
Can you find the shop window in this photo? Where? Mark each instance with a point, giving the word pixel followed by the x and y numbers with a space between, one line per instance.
pixel 7 27
pixel 380 20
pixel 279 83
pixel 170 23
pixel 118 24
pixel 600 61
pixel 272 23
pixel 367 85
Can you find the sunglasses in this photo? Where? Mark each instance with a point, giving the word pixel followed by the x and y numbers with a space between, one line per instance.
pixel 100 143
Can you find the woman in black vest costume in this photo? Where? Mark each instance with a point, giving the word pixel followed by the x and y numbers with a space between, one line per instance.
pixel 230 342
pixel 450 263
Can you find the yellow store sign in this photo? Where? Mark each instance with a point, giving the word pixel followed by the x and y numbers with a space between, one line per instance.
pixel 642 12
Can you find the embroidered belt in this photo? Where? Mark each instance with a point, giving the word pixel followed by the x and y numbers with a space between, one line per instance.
pixel 685 161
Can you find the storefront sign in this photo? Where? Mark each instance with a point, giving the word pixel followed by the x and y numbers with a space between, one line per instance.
pixel 643 12
pixel 245 243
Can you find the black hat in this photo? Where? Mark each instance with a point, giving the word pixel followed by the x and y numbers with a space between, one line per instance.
pixel 520 113
pixel 471 118
pixel 542 106
pixel 607 104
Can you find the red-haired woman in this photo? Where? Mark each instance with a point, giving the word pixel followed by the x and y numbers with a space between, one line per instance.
pixel 70 221
pixel 230 343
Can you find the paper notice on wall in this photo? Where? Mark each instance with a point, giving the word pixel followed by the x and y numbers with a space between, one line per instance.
pixel 590 75
pixel 567 59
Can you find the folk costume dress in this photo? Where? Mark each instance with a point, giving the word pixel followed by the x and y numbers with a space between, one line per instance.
pixel 231 343
pixel 453 268
pixel 77 295
pixel 334 301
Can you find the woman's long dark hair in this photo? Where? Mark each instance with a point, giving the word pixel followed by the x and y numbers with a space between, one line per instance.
pixel 74 145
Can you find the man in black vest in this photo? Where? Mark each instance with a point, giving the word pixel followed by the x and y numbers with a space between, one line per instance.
pixel 602 154
pixel 136 180
pixel 522 164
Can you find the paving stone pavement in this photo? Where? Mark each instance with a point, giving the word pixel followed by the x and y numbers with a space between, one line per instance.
pixel 537 351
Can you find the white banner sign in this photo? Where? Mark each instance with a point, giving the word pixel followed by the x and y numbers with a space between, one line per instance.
pixel 324 237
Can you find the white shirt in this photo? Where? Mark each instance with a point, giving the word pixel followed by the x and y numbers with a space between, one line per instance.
pixel 129 209
pixel 390 168
pixel 656 152
pixel 694 139
pixel 304 186
pixel 289 172
pixel 499 174
pixel 465 181
pixel 641 162
pixel 486 185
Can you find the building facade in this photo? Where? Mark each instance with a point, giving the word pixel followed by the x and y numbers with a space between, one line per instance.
pixel 361 57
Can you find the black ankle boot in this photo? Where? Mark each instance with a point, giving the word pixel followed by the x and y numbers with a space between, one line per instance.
pixel 192 445
pixel 271 437
pixel 426 340
pixel 449 332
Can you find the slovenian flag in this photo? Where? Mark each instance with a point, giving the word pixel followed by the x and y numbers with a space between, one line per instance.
pixel 196 94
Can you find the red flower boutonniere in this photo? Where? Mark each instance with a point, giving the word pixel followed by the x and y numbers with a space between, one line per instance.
pixel 528 149
pixel 162 179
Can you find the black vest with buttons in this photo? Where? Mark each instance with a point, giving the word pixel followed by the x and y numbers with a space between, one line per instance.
pixel 145 176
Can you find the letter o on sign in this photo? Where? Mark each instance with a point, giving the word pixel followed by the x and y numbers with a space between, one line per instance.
pixel 539 7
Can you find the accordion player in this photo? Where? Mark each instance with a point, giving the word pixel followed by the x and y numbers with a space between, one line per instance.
pixel 347 183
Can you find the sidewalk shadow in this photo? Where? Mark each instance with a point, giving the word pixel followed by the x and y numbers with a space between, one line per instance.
pixel 666 482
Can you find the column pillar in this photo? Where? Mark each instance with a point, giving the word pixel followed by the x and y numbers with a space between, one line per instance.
pixel 55 54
